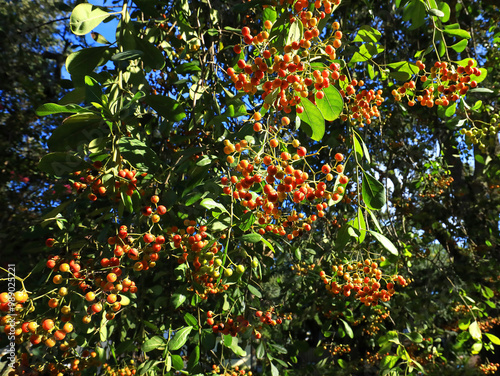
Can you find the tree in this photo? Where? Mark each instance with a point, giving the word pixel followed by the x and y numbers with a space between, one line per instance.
pixel 35 40
pixel 270 188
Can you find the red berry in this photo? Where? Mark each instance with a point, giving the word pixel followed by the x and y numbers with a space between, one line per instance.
pixel 149 238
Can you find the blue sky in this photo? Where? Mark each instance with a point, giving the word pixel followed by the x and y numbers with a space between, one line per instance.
pixel 106 29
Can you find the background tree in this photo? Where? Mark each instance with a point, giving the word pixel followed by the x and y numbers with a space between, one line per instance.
pixel 275 188
pixel 35 40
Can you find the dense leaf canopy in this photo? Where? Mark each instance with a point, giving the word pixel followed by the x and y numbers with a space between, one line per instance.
pixel 261 187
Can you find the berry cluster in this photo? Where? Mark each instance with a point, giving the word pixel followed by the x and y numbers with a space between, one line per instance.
pixel 489 368
pixel 286 76
pixel 271 318
pixel 302 269
pixel 229 326
pixel 233 371
pixel 364 282
pixel 375 320
pixel 363 105
pixel 482 134
pixel 435 185
pixel 267 182
pixel 203 258
pixel 337 350
pixel 444 84
pixel 100 183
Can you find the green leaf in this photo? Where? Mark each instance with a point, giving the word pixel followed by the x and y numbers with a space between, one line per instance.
pixel 445 8
pixel 366 52
pixel 272 96
pixel 75 130
pixel 436 12
pixel 153 343
pixel 392 336
pixel 403 70
pixel 125 346
pixel 83 62
pixel 86 17
pixel 463 323
pixel 357 147
pixel 348 329
pixel 247 221
pixel 400 76
pixel 148 366
pixel 460 46
pixel 415 337
pixel 447 111
pixel 99 38
pixel 295 32
pixel 260 351
pixel 178 299
pixel 165 106
pixel 190 320
pixel 210 204
pixel 343 236
pixel 481 90
pixel 475 331
pixel 359 224
pixel 331 104
pixel 487 292
pixel 139 154
pixel 373 192
pixel 415 12
pixel 54 108
pixel 253 290
pixel 367 34
pixel 103 329
pixel 251 238
pixel 93 92
pixel 232 343
pixel 374 219
pixel 371 71
pixel 194 358
pixel 190 67
pixel 60 163
pixel 153 57
pixel 193 197
pixel 493 338
pixel 269 14
pixel 180 338
pixel 385 242
pixel 168 363
pixel 266 242
pixel 476 348
pixel 389 361
pixel 177 362
pixel 127 201
pixel 127 55
pixel 313 117
pixel 274 370
pixel 457 33
pixel 278 348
